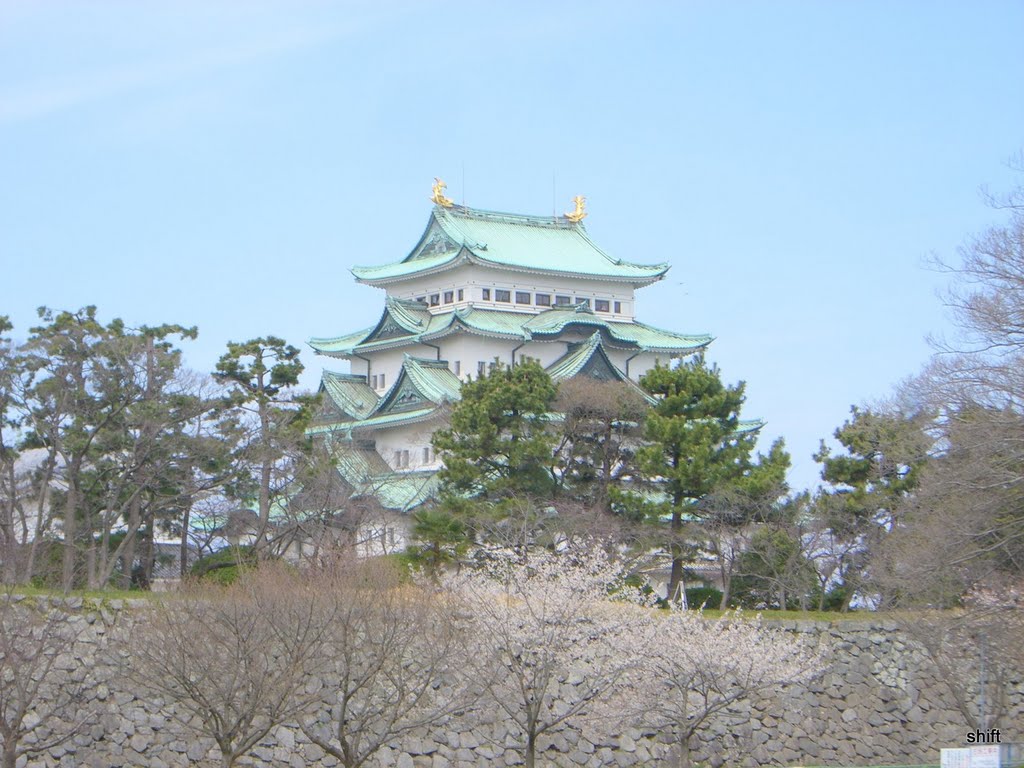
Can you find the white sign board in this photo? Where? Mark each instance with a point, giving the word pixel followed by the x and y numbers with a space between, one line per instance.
pixel 985 757
pixel 971 757
pixel 955 758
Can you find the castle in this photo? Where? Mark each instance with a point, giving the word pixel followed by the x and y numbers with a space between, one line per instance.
pixel 479 286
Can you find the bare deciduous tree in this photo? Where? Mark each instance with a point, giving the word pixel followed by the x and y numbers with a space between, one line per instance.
pixel 233 660
pixel 977 651
pixel 600 432
pixel 38 695
pixel 389 647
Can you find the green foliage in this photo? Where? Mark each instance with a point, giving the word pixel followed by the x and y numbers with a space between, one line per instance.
pixel 699 598
pixel 695 448
pixel 498 442
pixel 260 374
pixel 441 539
pixel 260 368
pixel 224 566
pixel 872 485
pixel 774 572
pixel 885 453
pixel 693 442
pixel 109 404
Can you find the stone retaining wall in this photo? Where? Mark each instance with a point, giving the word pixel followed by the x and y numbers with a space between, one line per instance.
pixel 880 702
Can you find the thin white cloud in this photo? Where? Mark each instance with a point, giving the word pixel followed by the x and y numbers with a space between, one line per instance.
pixel 41 99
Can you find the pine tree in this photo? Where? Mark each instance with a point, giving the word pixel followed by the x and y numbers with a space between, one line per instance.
pixel 694 445
pixel 499 444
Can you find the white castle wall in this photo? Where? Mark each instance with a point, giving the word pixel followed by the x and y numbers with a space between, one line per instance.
pixel 473 278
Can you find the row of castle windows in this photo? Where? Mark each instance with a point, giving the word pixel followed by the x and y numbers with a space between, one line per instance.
pixel 524 298
pixel 402 457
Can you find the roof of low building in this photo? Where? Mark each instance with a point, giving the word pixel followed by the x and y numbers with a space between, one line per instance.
pixel 542 244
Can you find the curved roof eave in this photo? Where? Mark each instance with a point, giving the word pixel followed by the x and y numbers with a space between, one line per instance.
pixel 450 261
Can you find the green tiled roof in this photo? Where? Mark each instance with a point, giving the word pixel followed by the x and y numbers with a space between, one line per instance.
pixel 369 475
pixel 572 362
pixel 411 315
pixel 433 378
pixel 349 393
pixel 746 426
pixel 582 359
pixel 338 343
pixel 419 388
pixel 533 243
pixel 404 491
pixel 513 325
pixel 359 465
pixel 374 422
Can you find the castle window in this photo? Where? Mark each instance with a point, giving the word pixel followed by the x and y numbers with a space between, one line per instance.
pixel 481 368
pixel 618 307
pixel 449 296
pixel 426 454
pixel 460 294
pixel 561 301
pixel 504 296
pixel 421 299
pixel 601 305
pixel 382 381
pixel 522 297
pixel 543 299
pixel 487 294
pixel 373 381
pixel 458 367
pixel 435 299
pixel 401 459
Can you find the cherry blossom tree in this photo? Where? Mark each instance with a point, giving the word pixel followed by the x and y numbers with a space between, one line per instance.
pixel 699 668
pixel 550 645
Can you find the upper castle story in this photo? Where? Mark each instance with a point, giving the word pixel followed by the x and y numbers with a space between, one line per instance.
pixel 511 262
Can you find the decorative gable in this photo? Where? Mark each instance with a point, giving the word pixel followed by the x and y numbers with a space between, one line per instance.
pixel 435 241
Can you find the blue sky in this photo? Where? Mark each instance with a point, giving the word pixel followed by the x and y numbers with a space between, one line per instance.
pixel 224 164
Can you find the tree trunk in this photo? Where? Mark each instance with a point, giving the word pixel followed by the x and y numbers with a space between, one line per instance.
pixel 726 573
pixel 70 515
pixel 7 524
pixel 42 520
pixel 128 555
pixel 676 575
pixel 685 733
pixel 90 552
pixel 183 549
pixel 684 751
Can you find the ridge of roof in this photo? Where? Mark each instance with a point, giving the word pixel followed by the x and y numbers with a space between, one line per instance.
pixel 465 211
pixel 509 241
